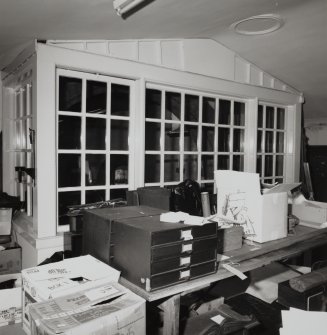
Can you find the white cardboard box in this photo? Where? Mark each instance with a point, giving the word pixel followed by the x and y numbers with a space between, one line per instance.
pixel 61 278
pixel 11 301
pixel 81 314
pixel 262 216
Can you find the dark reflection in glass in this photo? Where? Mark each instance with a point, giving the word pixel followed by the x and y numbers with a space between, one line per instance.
pixel 96 97
pixel 95 196
pixel 69 170
pixel 279 165
pixel 95 169
pixel 279 180
pixel 224 112
pixel 172 135
pixel 190 138
pixel 153 104
pixel 268 180
pixel 66 199
pixel 259 141
pixel 207 167
pixel 191 108
pixel 69 133
pixel 152 135
pixel 259 165
pixel 119 100
pixel 238 163
pixel 223 162
pixel 208 110
pixel 260 116
pixel 118 169
pixel 191 167
pixel 173 106
pixel 279 142
pixel 95 133
pixel 70 94
pixel 238 142
pixel 280 118
pixel 152 169
pixel 118 193
pixel 172 169
pixel 119 135
pixel 268 166
pixel 223 139
pixel 269 142
pixel 208 138
pixel 269 117
pixel 239 113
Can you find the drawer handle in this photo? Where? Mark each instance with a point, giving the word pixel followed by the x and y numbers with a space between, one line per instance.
pixel 184 260
pixel 184 274
pixel 187 247
pixel 186 235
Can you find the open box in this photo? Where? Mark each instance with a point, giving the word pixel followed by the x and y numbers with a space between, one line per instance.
pixel 239 199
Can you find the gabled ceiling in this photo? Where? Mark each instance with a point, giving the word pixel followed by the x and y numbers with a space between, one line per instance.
pixel 296 53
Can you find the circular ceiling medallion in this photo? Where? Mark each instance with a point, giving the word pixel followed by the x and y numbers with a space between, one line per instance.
pixel 258 25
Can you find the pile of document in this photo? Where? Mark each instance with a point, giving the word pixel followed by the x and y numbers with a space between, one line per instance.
pixel 299 322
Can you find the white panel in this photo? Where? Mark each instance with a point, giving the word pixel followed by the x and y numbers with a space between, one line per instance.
pixel 242 70
pixel 255 76
pixel 267 80
pixel 125 50
pixel 209 58
pixel 71 45
pixel 171 54
pixel 278 85
pixel 149 52
pixel 97 47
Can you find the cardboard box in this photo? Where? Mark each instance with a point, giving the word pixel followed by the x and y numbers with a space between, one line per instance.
pixel 61 278
pixel 239 199
pixel 11 300
pixel 10 258
pixel 81 313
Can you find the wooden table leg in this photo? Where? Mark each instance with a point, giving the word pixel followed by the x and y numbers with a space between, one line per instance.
pixel 170 309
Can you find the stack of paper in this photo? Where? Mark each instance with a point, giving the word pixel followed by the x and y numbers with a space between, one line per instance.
pixel 301 322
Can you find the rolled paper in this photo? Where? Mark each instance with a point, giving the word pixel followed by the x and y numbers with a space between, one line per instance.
pixel 309 280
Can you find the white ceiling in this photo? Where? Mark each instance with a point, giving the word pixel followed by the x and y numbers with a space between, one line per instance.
pixel 296 54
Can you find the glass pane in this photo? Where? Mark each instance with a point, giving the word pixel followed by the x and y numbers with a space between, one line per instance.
pixel 260 116
pixel 208 137
pixel 223 162
pixel 69 170
pixel 238 163
pixel 118 169
pixel 172 135
pixel 70 94
pixel 259 165
pixel 279 142
pixel 207 167
pixel 66 199
pixel 171 163
pixel 152 136
pixel 119 100
pixel 190 138
pixel 95 133
pixel 95 196
pixel 152 169
pixel 269 117
pixel 268 166
pixel 191 167
pixel 279 180
pixel 269 141
pixel 238 141
pixel 223 139
pixel 173 106
pixel 153 104
pixel 96 97
pixel 118 193
pixel 208 110
pixel 279 165
pixel 119 135
pixel 69 132
pixel 224 112
pixel 95 169
pixel 280 118
pixel 259 141
pixel 191 108
pixel 239 113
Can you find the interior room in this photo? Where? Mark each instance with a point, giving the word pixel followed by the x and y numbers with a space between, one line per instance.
pixel 163 167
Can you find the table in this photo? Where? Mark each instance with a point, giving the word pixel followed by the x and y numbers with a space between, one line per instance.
pixel 251 256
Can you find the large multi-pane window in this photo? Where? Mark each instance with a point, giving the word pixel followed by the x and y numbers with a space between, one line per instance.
pixel 93 153
pixel 190 134
pixel 271 137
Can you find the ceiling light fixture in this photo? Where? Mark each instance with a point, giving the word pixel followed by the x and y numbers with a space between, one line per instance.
pixel 123 6
pixel 258 25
